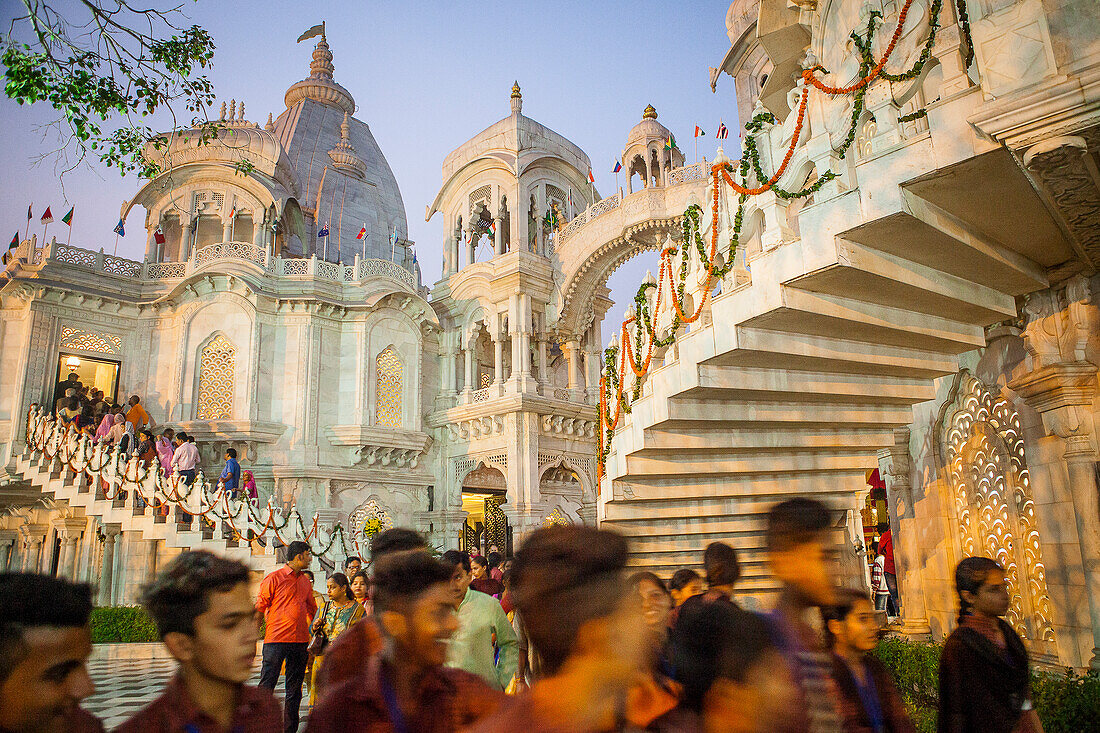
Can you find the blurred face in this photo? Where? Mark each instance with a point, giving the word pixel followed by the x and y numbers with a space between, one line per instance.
pixel 858 630
pixel 359 587
pixel 478 570
pixel 991 599
pixel 336 591
pixel 223 646
pixel 807 569
pixel 460 583
pixel 694 588
pixel 353 567
pixel 766 701
pixel 655 604
pixel 45 688
pixel 430 625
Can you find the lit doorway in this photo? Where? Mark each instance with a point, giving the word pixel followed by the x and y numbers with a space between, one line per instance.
pixel 101 374
pixel 483 493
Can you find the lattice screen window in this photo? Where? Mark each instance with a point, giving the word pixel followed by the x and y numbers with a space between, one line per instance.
pixel 388 388
pixel 486 379
pixel 217 367
pixel 993 501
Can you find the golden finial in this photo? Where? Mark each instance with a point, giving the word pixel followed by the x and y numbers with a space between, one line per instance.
pixel 515 90
pixel 650 112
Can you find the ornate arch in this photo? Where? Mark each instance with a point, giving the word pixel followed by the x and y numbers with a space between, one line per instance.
pixel 991 489
pixel 389 388
pixel 368 519
pixel 217 378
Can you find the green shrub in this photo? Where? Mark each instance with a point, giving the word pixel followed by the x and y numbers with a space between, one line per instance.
pixel 112 624
pixel 1066 702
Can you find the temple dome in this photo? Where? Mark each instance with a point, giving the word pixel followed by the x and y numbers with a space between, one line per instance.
pixel 344 180
pixel 648 130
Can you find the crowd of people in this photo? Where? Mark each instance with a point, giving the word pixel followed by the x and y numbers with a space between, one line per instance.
pixel 571 642
pixel 132 429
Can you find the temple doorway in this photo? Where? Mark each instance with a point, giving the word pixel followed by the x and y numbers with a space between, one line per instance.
pixel 486 527
pixel 93 373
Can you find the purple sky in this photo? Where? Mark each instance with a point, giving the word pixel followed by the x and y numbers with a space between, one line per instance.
pixel 426 77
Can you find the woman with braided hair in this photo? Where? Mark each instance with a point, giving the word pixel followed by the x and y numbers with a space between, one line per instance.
pixel 984 666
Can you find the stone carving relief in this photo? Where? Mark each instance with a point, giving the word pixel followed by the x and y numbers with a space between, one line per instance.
pixel 562 425
pixel 1059 321
pixel 1066 168
pixel 368 519
pixel 85 340
pixel 995 511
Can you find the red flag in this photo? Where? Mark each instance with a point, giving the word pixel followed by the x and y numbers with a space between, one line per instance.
pixel 699 132
pixel 29 214
pixel 47 217
pixel 158 236
pixel 14 241
pixel 362 232
pixel 591 178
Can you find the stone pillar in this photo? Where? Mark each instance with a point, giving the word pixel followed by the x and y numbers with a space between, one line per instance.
pixel 448 266
pixel 572 355
pixel 1063 394
pixel 471 378
pixel 525 336
pixel 33 535
pixel 227 229
pixel 471 245
pixel 151 560
pixel 543 381
pixel 498 238
pixel 107 575
pixel 899 486
pixel 498 360
pixel 8 538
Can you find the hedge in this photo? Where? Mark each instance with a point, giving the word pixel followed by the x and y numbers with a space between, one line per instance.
pixel 112 624
pixel 127 624
pixel 1066 702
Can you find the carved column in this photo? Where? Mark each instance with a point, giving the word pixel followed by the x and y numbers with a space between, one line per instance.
pixel 470 245
pixel 1063 395
pixel 498 360
pixel 543 377
pixel 498 237
pixel 227 229
pixel 8 540
pixel 572 355
pixel 899 486
pixel 33 537
pixel 470 376
pixel 107 576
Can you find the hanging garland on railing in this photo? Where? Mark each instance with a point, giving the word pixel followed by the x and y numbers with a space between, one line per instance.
pixel 633 347
pixel 112 476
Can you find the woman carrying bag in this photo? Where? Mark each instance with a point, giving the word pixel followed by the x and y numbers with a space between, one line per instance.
pixel 339 612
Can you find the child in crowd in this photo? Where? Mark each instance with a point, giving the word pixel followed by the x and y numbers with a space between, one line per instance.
pixel 202 605
pixel 685 583
pixel 984 680
pixel 869 700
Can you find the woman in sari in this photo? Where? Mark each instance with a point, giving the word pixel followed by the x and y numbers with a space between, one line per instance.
pixel 248 483
pixel 340 612
pixel 165 450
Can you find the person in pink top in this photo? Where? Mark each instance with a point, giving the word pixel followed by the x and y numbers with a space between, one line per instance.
pixel 165 450
pixel 286 600
pixel 106 424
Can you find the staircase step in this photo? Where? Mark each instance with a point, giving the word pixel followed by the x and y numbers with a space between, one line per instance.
pixel 742 496
pixel 657 467
pixel 695 411
pixel 745 383
pixel 663 440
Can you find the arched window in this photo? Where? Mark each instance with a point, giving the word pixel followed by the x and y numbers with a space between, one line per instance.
pixel 993 501
pixel 217 367
pixel 388 388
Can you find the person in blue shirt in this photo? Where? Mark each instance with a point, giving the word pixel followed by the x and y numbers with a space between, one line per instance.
pixel 231 474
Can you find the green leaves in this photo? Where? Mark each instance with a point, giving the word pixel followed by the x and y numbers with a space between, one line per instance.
pixel 103 74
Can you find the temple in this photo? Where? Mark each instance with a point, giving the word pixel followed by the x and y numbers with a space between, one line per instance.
pixel 884 300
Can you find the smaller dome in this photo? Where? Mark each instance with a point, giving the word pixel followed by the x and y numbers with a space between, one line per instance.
pixel 648 129
pixel 319 85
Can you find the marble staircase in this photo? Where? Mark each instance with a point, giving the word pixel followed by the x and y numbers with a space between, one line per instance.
pixel 792 382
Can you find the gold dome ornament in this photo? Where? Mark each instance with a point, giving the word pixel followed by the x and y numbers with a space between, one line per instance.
pixel 650 112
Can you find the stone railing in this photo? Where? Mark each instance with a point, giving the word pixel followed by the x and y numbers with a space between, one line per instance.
pixel 309 267
pixel 480 395
pixel 117 477
pixel 674 177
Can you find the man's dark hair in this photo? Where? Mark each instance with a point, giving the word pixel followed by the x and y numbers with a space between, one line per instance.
pixel 563 577
pixel 31 601
pixel 181 592
pixel 883 527
pixel 231 452
pixel 479 561
pixel 846 599
pixel 181 436
pixel 309 574
pixel 454 558
pixel 402 577
pixel 721 565
pixel 795 522
pixel 712 641
pixel 397 539
pixel 494 559
pixel 296 548
pixel 350 559
pixel 681 578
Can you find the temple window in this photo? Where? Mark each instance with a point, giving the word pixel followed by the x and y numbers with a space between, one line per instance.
pixel 217 367
pixel 388 388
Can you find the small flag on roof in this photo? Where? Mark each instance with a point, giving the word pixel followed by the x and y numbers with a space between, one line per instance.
pixel 591 178
pixel 120 229
pixel 317 30
pixel 14 241
pixel 29 214
pixel 362 232
pixel 618 167
pixel 47 217
pixel 492 229
pixel 670 143
pixel 699 132
pixel 722 133
pixel 158 236
pixel 323 231
pixel 68 218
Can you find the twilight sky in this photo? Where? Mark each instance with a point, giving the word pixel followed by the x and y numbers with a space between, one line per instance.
pixel 427 76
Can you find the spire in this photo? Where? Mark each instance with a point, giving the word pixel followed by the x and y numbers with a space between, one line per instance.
pixel 517 99
pixel 650 112
pixel 270 125
pixel 321 67
pixel 344 156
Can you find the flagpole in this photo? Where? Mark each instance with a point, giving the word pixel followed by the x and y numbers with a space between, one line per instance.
pixel 70 237
pixel 44 228
pixel 114 250
pixel 28 234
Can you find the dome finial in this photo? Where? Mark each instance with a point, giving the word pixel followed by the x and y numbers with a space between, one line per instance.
pixel 517 98
pixel 321 67
pixel 650 112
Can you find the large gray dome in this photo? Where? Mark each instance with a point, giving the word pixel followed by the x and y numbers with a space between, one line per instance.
pixel 344 180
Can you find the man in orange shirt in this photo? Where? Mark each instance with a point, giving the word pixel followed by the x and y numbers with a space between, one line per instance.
pixel 286 600
pixel 137 415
